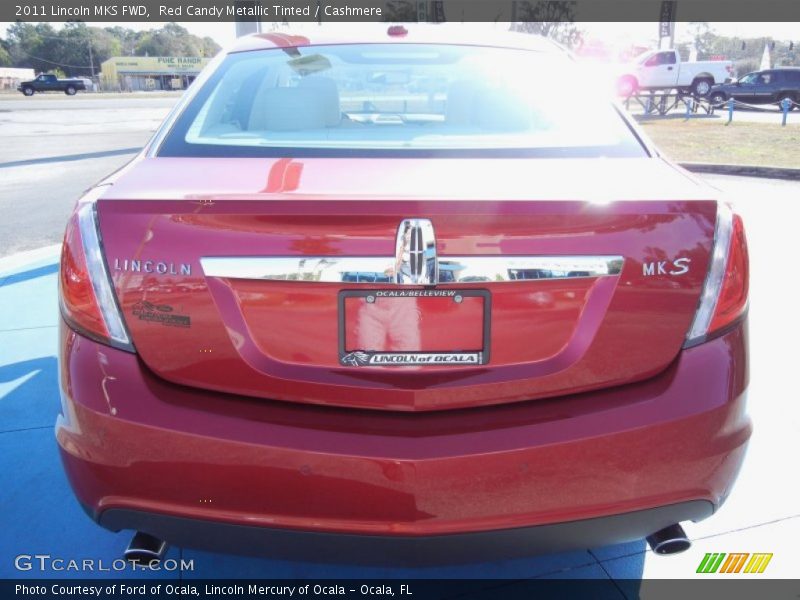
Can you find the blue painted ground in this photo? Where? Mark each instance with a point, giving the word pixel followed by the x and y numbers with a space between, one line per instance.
pixel 41 516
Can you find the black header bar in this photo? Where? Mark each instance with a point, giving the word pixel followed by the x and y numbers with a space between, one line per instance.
pixel 400 10
pixel 410 589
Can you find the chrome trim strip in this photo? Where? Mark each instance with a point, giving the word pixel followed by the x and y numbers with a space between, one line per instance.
pixel 100 279
pixel 369 270
pixel 712 286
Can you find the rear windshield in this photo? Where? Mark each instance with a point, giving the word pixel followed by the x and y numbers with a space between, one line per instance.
pixel 408 99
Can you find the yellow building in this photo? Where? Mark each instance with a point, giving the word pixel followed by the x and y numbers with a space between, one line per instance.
pixel 136 73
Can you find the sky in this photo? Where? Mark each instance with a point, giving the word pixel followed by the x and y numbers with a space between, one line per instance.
pixel 611 33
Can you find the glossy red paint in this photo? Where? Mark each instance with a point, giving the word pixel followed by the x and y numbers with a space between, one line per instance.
pixel 234 407
pixel 279 340
pixel 678 436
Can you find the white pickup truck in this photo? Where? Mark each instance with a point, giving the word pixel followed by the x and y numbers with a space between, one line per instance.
pixel 663 69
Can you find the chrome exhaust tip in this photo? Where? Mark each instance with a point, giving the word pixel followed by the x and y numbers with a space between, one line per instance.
pixel 670 540
pixel 145 549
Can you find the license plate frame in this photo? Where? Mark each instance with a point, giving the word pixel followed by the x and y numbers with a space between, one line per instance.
pixel 456 358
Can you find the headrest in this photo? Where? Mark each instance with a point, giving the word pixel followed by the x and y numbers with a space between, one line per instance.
pixel 308 106
pixel 328 93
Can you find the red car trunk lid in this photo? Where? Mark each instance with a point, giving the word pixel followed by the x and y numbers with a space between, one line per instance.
pixel 285 340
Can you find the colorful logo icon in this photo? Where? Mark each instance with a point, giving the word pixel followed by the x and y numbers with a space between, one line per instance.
pixel 736 562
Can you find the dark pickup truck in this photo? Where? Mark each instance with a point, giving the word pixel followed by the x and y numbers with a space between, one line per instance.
pixel 47 82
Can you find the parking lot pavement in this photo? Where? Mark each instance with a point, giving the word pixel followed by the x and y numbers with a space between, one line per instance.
pixel 762 514
pixel 41 514
pixel 78 124
pixel 54 147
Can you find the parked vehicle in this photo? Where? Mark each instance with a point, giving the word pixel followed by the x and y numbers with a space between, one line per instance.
pixel 401 325
pixel 761 87
pixel 664 70
pixel 47 82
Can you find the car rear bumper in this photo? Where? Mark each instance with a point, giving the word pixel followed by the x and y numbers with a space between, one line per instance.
pixel 196 467
pixel 291 544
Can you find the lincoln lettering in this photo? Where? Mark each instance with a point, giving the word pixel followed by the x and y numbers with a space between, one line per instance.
pixel 152 266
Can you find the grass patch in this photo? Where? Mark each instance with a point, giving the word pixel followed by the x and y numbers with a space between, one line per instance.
pixel 696 140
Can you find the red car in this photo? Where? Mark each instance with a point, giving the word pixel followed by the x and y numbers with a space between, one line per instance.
pixel 401 297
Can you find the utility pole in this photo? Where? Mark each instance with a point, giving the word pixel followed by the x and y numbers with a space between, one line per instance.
pixel 91 60
pixel 666 25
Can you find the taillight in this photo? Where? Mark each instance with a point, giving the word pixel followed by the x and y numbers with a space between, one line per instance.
pixel 87 299
pixel 724 298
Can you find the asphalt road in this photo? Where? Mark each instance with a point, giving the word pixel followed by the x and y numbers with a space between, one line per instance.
pixel 53 147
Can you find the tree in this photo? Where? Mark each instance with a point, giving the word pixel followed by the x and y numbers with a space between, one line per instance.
pixel 128 38
pixel 550 18
pixel 85 48
pixel 5 57
pixel 79 49
pixel 400 10
pixel 746 52
pixel 33 46
pixel 702 37
pixel 210 47
pixel 174 40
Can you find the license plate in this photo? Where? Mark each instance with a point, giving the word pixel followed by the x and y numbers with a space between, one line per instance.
pixel 398 328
